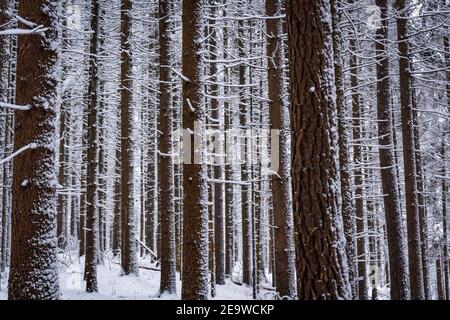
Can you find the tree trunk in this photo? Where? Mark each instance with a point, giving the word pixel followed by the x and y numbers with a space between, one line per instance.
pixel 245 166
pixel 229 213
pixel 128 223
pixel 195 216
pixel 281 188
pixel 421 198
pixel 320 243
pixel 441 293
pixel 34 264
pixel 358 173
pixel 116 224
pixel 346 193
pixel 444 260
pixel 412 212
pixel 219 219
pixel 167 210
pixel 5 57
pixel 396 246
pixel 92 228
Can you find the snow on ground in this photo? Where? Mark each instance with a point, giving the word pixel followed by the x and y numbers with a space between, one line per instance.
pixel 113 286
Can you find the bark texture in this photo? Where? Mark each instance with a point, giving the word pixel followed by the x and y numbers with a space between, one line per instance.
pixel 322 271
pixel 34 265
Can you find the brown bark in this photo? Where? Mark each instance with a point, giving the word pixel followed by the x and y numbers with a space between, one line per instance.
pixel 321 258
pixel 397 259
pixel 229 213
pixel 245 166
pixel 128 225
pixel 358 173
pixel 421 199
pixel 116 223
pixel 412 212
pixel 61 226
pixel 281 189
pixel 34 264
pixel 346 193
pixel 168 258
pixel 195 215
pixel 219 221
pixel 92 227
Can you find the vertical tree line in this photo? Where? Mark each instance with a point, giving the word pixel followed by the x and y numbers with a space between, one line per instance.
pixel 296 148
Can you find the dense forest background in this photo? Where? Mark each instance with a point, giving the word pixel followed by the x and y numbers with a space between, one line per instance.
pixel 230 149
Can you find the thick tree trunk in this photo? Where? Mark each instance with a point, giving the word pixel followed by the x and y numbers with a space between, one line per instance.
pixel 281 188
pixel 320 243
pixel 195 215
pixel 396 245
pixel 34 264
pixel 167 210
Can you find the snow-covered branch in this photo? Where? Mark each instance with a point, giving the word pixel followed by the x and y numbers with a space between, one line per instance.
pixel 21 150
pixel 14 106
pixel 13 32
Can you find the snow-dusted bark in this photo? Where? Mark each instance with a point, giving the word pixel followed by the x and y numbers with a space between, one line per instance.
pixel 322 271
pixel 166 169
pixel 281 182
pixel 395 238
pixel 344 161
pixel 92 221
pixel 128 214
pixel 195 215
pixel 34 273
pixel 412 210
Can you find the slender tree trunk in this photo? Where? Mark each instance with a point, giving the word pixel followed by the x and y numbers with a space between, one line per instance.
pixel 116 224
pixel 346 193
pixel 444 260
pixel 396 245
pixel 358 172
pixel 92 228
pixel 441 293
pixel 83 181
pixel 320 242
pixel 421 199
pixel 229 213
pixel 219 189
pixel 34 264
pixel 128 223
pixel 5 57
pixel 281 188
pixel 412 212
pixel 61 228
pixel 167 210
pixel 195 215
pixel 245 189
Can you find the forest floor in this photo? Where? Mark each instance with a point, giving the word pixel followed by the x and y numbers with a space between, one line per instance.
pixel 113 286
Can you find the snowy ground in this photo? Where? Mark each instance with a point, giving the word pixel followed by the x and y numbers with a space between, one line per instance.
pixel 113 286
